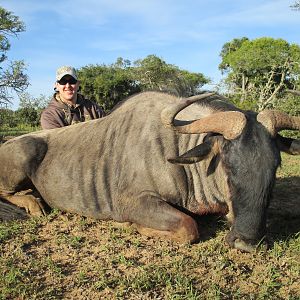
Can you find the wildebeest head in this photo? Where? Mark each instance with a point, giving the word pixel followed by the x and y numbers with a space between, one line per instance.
pixel 249 146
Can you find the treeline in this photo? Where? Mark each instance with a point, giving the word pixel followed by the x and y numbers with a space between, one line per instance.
pixel 257 75
pixel 109 84
pixel 27 115
pixel 249 83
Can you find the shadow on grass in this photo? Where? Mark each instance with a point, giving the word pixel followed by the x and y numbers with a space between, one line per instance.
pixel 210 225
pixel 284 212
pixel 283 220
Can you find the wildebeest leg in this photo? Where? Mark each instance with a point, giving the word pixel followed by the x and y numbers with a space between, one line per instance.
pixel 25 199
pixel 19 160
pixel 154 217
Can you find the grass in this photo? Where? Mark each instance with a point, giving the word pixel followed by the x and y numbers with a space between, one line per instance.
pixel 8 132
pixel 65 256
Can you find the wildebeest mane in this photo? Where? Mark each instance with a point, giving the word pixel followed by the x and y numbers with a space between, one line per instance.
pixel 217 102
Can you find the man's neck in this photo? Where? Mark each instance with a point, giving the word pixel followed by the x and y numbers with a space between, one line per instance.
pixel 71 102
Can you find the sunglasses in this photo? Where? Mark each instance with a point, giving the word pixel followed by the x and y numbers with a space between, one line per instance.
pixel 64 81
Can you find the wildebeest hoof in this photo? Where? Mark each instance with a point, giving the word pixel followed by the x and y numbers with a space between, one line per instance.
pixel 33 206
pixel 234 242
pixel 243 246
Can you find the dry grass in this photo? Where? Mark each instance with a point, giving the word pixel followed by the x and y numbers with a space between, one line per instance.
pixel 65 256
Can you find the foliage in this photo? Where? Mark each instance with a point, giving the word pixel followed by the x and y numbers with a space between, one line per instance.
pixel 30 108
pixel 12 77
pixel 109 84
pixel 26 117
pixel 227 48
pixel 245 104
pixel 296 5
pixel 153 73
pixel 7 118
pixel 289 104
pixel 260 70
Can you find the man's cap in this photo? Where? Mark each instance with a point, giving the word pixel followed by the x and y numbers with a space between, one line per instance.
pixel 65 70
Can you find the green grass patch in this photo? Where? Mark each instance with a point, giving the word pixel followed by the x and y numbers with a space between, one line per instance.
pixel 6 131
pixel 8 230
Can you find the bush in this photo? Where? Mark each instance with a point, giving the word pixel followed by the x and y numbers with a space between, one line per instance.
pixel 8 118
pixel 245 104
pixel 289 105
pixel 28 115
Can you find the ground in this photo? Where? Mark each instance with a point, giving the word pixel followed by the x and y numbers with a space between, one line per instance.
pixel 66 256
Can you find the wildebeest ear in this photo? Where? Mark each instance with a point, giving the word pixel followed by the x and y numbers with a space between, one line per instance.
pixel 194 155
pixel 288 145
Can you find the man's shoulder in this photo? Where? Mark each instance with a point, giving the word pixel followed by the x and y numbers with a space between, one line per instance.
pixel 54 107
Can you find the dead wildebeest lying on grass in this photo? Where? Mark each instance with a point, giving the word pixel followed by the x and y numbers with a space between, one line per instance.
pixel 141 165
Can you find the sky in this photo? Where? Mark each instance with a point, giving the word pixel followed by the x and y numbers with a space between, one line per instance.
pixel 187 33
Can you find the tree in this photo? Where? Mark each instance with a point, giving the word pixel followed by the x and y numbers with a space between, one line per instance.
pixel 229 47
pixel 153 73
pixel 30 108
pixel 261 69
pixel 109 84
pixel 12 77
pixel 296 5
pixel 8 119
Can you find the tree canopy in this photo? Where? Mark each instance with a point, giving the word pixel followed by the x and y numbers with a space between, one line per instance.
pixel 154 73
pixel 261 69
pixel 296 5
pixel 12 75
pixel 109 84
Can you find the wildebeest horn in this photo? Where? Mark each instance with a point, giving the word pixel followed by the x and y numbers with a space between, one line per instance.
pixel 274 121
pixel 294 92
pixel 169 113
pixel 228 123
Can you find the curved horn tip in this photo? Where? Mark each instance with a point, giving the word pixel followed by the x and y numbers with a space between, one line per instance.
pixel 275 121
pixel 168 114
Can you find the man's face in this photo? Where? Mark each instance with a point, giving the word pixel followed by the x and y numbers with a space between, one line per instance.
pixel 67 87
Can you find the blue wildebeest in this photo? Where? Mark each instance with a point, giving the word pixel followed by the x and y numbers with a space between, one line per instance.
pixel 156 161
